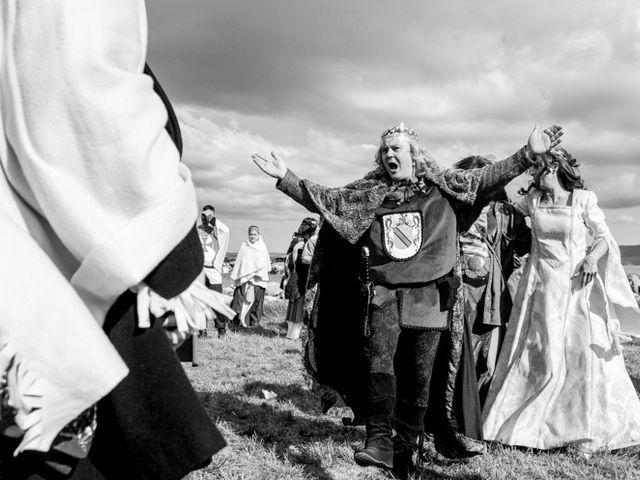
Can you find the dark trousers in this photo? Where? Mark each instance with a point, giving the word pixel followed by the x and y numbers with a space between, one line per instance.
pixel 219 321
pixel 407 356
pixel 406 353
pixel 255 313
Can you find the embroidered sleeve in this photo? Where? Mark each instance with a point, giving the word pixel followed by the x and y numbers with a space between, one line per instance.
pixel 291 185
pixel 349 210
pixel 496 176
pixel 469 186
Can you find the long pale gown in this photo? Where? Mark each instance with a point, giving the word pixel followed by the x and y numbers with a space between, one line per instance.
pixel 560 380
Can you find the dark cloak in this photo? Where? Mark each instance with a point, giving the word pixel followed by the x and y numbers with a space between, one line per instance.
pixel 335 353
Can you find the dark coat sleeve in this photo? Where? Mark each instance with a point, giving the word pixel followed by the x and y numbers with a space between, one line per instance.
pixel 179 268
pixel 495 176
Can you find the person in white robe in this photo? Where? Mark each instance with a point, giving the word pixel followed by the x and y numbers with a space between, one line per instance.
pixel 93 200
pixel 561 380
pixel 251 276
pixel 214 237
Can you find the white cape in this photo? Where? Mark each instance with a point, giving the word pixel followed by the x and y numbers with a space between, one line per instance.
pixel 92 198
pixel 253 261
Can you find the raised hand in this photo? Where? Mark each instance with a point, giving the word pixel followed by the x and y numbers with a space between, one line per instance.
pixel 541 142
pixel 274 166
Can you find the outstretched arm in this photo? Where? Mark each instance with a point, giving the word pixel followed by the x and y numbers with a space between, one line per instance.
pixel 274 166
pixel 288 182
pixel 494 177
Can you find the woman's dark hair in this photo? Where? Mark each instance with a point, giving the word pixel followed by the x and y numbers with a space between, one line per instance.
pixel 307 226
pixel 569 176
pixel 476 161
pixel 294 241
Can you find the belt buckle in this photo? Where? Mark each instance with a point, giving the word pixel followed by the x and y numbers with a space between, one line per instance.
pixel 475 266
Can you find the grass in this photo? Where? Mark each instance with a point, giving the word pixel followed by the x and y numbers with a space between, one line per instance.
pixel 288 438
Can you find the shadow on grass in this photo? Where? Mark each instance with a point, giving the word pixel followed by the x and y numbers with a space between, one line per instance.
pixel 277 427
pixel 271 424
pixel 269 332
pixel 429 474
pixel 301 398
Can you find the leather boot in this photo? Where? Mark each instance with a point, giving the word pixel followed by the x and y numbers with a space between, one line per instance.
pixel 378 449
pixel 403 465
pixel 409 426
pixel 449 442
pixel 457 447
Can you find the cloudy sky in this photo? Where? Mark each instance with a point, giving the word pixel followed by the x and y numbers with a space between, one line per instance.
pixel 318 81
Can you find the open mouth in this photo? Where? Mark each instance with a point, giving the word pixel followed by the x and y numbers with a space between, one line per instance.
pixel 392 165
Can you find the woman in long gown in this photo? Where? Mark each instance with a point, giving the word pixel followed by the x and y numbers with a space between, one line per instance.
pixel 561 378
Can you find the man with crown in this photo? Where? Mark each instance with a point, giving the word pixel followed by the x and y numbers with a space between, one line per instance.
pixel 387 326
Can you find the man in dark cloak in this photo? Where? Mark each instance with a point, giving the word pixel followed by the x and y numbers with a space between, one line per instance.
pixel 383 325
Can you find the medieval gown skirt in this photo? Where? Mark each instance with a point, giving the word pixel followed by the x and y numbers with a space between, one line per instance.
pixel 560 380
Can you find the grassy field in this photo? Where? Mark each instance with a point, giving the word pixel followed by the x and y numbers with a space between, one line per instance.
pixel 287 438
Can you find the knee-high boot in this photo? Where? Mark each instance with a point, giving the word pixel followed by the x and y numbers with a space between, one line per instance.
pixel 381 398
pixel 409 425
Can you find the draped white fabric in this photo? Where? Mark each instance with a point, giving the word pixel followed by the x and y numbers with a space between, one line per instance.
pixel 92 197
pixel 84 146
pixel 252 264
pixel 58 360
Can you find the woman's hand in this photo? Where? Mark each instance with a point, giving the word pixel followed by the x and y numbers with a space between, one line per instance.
pixel 541 142
pixel 274 166
pixel 589 269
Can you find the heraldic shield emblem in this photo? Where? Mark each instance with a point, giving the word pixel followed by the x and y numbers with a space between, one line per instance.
pixel 402 234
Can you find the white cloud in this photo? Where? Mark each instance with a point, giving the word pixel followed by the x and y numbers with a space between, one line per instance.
pixel 220 160
pixel 319 81
pixel 615 187
pixel 625 219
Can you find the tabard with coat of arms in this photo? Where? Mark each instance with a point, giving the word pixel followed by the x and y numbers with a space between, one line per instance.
pixel 402 234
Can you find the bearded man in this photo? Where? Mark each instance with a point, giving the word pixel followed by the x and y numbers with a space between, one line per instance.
pixel 378 350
